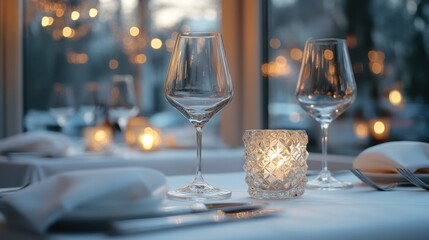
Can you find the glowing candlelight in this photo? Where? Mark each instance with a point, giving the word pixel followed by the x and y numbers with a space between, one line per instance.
pixel 149 139
pixel 98 138
pixel 133 128
pixel 275 164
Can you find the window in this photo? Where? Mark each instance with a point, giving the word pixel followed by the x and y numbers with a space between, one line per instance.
pixel 388 45
pixel 14 59
pixel 76 48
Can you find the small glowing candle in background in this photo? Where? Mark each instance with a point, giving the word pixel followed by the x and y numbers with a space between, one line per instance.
pixel 133 128
pixel 98 138
pixel 276 163
pixel 141 135
pixel 149 139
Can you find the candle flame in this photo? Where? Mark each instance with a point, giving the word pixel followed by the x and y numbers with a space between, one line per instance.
pixel 100 135
pixel 149 139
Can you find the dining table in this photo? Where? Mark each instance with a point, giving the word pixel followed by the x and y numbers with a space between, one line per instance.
pixel 25 168
pixel 356 213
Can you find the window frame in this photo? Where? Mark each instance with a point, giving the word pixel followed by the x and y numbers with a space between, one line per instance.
pixel 241 35
pixel 11 107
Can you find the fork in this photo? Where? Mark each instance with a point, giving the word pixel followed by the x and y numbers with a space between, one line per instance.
pixel 371 183
pixel 410 176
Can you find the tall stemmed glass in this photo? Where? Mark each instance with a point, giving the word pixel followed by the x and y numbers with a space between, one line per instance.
pixel 326 87
pixel 122 105
pixel 199 85
pixel 61 105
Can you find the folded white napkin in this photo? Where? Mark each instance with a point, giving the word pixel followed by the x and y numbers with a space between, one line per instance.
pixel 43 143
pixel 89 194
pixel 386 157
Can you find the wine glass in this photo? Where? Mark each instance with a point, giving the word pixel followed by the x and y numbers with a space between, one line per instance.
pixel 61 105
pixel 122 104
pixel 89 103
pixel 198 84
pixel 326 87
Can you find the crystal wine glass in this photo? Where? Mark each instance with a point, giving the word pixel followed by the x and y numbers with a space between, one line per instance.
pixel 326 87
pixel 199 85
pixel 61 105
pixel 89 103
pixel 122 105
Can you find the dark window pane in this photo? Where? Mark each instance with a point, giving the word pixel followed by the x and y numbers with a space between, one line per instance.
pixel 79 46
pixel 389 47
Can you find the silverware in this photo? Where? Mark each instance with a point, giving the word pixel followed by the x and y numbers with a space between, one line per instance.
pixel 373 184
pixel 204 207
pixel 104 224
pixel 164 223
pixel 410 176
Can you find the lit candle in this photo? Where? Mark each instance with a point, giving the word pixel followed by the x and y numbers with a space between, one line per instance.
pixel 149 139
pixel 98 138
pixel 133 128
pixel 275 164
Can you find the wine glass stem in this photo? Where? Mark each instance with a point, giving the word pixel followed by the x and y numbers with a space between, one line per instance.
pixel 324 127
pixel 198 174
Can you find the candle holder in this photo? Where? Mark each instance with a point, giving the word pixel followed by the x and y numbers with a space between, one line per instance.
pixel 140 134
pixel 98 138
pixel 133 128
pixel 275 163
pixel 149 139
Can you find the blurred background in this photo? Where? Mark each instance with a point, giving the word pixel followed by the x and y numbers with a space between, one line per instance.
pixel 73 49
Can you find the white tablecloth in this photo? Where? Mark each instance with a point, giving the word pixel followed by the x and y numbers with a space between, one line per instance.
pixel 19 170
pixel 22 169
pixel 357 213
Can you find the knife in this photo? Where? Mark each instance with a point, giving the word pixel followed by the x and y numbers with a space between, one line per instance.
pixel 133 226
pixel 103 224
pixel 199 207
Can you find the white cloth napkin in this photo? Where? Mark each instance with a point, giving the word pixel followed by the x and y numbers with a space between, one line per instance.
pixel 386 157
pixel 43 143
pixel 93 193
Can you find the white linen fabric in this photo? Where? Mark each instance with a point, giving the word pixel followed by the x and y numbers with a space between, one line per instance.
pixel 386 157
pixel 104 192
pixel 42 143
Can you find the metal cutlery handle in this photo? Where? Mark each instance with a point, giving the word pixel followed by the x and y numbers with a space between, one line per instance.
pixel 163 223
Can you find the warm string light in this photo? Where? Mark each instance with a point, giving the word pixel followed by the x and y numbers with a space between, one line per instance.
pixel 276 68
pixel 134 31
pixel 361 129
pixel 93 12
pixel 376 62
pixel 380 128
pixel 156 43
pixel 57 17
pixel 75 15
pixel 77 58
pixel 66 20
pixel 395 98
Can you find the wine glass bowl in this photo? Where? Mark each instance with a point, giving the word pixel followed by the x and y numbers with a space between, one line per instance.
pixel 61 106
pixel 199 85
pixel 122 103
pixel 89 103
pixel 325 89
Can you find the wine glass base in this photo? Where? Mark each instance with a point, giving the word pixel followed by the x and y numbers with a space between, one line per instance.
pixel 325 181
pixel 198 192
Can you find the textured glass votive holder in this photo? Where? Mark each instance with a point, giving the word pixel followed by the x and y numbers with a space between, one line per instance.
pixel 276 163
pixel 98 138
